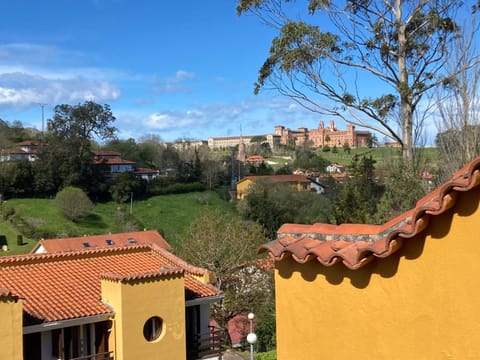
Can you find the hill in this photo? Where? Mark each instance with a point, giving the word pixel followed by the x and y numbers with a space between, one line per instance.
pixel 169 214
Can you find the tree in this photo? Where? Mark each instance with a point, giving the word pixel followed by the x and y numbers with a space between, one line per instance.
pixel 272 205
pixel 73 202
pixel 356 202
pixel 402 191
pixel 67 155
pixel 227 246
pixel 458 139
pixel 124 186
pixel 399 48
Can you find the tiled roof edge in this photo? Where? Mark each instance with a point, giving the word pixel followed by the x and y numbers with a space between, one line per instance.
pixel 354 249
pixel 141 276
pixel 25 259
pixel 175 260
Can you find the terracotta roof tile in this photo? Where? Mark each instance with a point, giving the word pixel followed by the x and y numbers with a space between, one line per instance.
pixel 59 286
pixel 358 244
pixel 100 241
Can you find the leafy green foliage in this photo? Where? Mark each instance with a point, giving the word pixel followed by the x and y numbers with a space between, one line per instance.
pixel 402 190
pixel 356 202
pixel 67 159
pixel 73 202
pixel 273 205
pixel 126 185
pixel 227 246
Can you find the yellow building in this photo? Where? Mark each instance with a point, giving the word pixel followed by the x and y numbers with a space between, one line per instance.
pixel 407 289
pixel 120 302
pixel 299 182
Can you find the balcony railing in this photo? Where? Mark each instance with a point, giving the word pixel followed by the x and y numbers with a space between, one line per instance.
pixel 208 344
pixel 99 356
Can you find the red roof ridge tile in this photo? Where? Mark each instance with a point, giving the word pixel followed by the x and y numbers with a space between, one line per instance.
pixel 44 257
pixel 168 256
pixel 141 276
pixel 358 244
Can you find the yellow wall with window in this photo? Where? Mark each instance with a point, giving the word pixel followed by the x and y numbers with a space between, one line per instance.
pixel 422 302
pixel 137 301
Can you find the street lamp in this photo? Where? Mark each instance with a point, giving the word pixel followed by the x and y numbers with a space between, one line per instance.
pixel 251 337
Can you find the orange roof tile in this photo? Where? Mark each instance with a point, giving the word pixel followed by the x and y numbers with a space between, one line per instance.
pixel 100 241
pixel 60 286
pixel 358 244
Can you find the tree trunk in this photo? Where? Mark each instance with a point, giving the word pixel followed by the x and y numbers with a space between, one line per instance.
pixel 406 111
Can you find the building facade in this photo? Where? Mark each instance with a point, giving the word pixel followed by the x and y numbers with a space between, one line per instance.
pixel 217 143
pixel 110 303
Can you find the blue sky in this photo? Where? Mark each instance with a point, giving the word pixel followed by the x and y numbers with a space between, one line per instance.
pixel 174 69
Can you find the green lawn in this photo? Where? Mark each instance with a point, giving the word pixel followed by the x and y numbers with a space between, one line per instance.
pixel 169 214
pixel 11 234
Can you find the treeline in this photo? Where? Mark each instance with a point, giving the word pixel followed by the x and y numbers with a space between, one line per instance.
pixel 65 158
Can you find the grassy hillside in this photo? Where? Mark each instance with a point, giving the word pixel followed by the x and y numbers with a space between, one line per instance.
pixel 383 156
pixel 169 214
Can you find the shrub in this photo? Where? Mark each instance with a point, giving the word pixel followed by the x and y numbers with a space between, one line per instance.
pixel 73 202
pixel 270 355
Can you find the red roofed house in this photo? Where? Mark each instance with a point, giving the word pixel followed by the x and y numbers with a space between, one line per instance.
pixel 299 182
pixel 25 150
pixel 120 302
pixel 407 289
pixel 100 241
pixel 113 163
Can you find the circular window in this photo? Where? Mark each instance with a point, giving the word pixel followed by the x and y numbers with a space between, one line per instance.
pixel 152 328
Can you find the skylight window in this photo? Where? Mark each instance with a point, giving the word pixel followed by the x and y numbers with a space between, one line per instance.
pixel 109 242
pixel 132 241
pixel 86 245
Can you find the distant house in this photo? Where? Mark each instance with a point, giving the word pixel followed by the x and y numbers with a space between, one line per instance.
pixel 335 169
pixel 405 289
pixel 100 242
pixel 298 182
pixel 120 302
pixel 255 159
pixel 316 186
pixel 25 150
pixel 113 163
pixel 146 174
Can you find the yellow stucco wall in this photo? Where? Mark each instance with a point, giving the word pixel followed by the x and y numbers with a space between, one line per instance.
pixel 11 345
pixel 134 303
pixel 243 188
pixel 421 303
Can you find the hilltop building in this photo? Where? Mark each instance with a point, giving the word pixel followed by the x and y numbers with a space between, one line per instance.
pixel 320 137
pixel 216 143
pixel 331 136
pixel 291 137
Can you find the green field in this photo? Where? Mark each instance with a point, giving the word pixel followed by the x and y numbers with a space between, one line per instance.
pixel 169 214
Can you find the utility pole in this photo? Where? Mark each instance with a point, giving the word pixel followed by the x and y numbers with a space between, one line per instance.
pixel 43 118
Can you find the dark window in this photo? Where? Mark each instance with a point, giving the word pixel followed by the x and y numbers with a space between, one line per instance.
pixel 152 328
pixel 109 242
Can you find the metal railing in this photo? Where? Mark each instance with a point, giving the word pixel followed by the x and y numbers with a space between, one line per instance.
pixel 99 356
pixel 211 343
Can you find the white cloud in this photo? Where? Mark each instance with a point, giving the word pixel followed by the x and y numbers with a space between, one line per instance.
pixel 31 74
pixel 173 84
pixel 23 90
